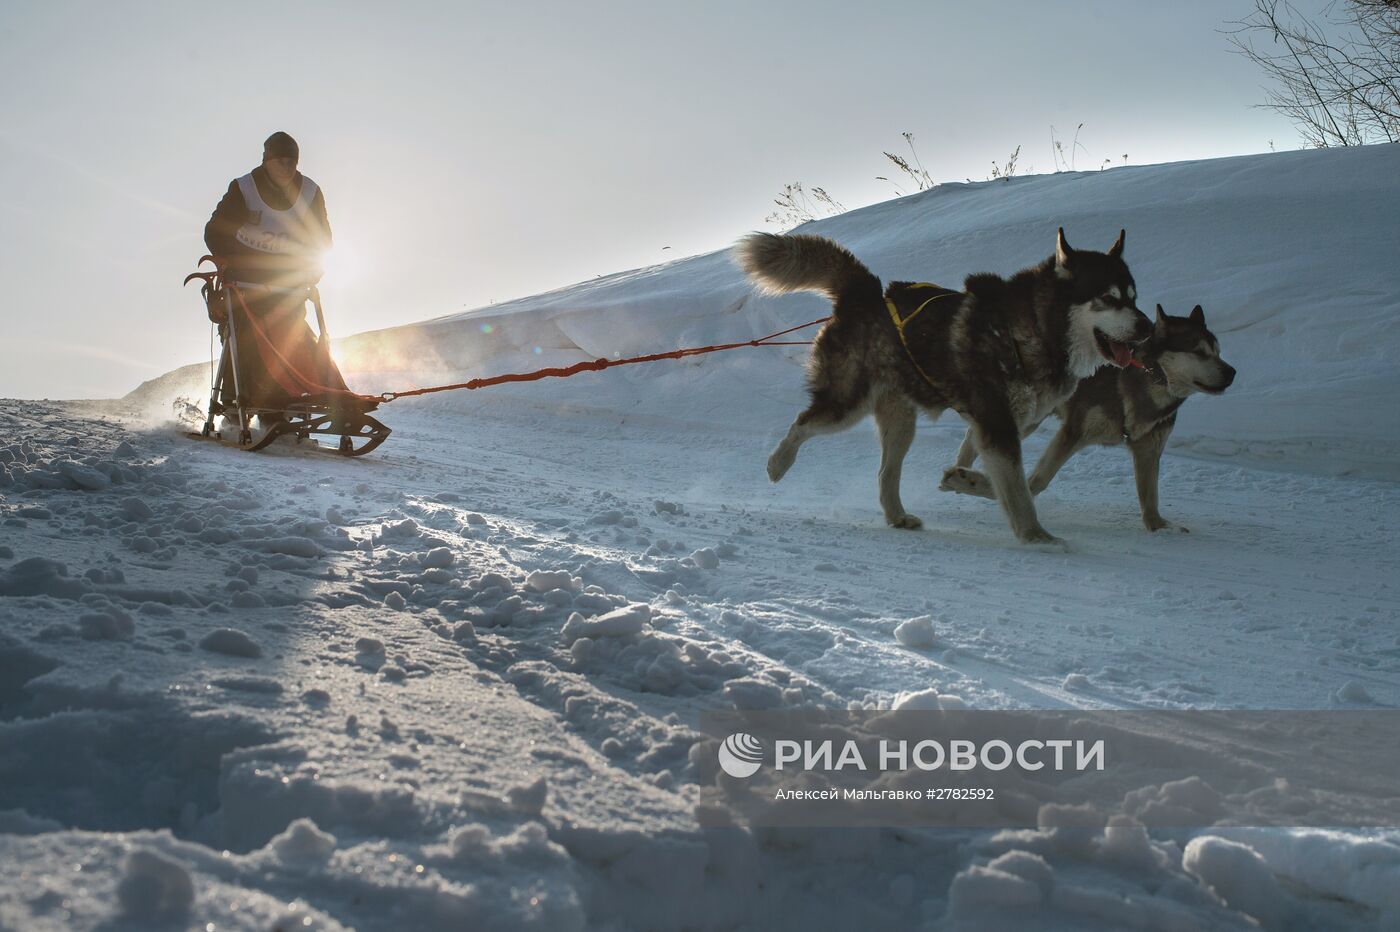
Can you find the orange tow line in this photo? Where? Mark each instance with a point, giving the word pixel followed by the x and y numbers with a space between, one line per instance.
pixel 595 365
pixel 213 279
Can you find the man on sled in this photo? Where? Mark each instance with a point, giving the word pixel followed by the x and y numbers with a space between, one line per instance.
pixel 267 237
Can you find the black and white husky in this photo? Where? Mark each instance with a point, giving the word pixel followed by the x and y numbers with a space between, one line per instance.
pixel 1003 353
pixel 1133 406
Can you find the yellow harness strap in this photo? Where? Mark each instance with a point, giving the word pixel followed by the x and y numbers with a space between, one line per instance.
pixel 900 322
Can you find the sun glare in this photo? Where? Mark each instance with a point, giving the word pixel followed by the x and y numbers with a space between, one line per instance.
pixel 340 264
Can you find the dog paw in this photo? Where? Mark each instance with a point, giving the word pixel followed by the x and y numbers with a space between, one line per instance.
pixel 906 522
pixel 1159 523
pixel 966 482
pixel 779 463
pixel 1039 537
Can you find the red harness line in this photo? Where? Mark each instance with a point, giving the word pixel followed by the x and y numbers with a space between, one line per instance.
pixel 288 374
pixel 595 365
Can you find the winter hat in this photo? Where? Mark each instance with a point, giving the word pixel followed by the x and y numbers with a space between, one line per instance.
pixel 280 146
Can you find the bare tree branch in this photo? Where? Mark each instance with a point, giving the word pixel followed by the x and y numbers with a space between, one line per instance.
pixel 1340 85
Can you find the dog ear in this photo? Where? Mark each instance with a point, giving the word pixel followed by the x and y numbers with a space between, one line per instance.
pixel 1063 254
pixel 1198 316
pixel 1161 322
pixel 1116 250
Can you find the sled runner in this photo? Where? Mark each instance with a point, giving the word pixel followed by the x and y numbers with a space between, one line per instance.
pixel 272 368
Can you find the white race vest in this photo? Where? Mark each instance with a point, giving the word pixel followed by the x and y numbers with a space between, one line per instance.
pixel 293 231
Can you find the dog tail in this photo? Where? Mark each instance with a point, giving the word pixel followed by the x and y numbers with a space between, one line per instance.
pixel 801 262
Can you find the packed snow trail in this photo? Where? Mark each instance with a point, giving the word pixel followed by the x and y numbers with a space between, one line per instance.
pixel 404 676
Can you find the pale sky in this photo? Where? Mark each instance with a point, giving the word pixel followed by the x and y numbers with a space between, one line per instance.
pixel 472 152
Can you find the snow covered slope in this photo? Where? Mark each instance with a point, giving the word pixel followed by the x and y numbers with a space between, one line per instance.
pixel 1295 257
pixel 456 684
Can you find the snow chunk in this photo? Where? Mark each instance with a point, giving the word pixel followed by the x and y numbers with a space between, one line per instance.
pixel 1239 876
pixel 545 580
pixel 232 642
pixel 135 509
pixel 291 546
pixel 439 558
pixel 469 842
pixel 85 477
pixel 262 685
pixel 1176 802
pixel 529 798
pixel 926 700
pixel 1061 815
pixel 705 558
pixel 1339 864
pixel 506 609
pixel 591 603
pixel 621 622
pixel 916 633
pixel 316 697
pixel 154 886
pixel 395 600
pixel 41 576
pixel 981 890
pixel 474 843
pixel 558 597
pixel 110 625
pixel 303 843
pixel 400 530
pixel 1125 843
pixel 98 575
pixel 1027 866
pixel 493 581
pixel 750 693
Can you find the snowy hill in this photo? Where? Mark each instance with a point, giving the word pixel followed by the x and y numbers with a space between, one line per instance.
pixel 458 683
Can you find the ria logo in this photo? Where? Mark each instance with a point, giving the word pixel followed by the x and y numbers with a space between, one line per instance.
pixel 741 755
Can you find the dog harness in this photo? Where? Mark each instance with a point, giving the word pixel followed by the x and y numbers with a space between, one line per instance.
pixel 901 322
pixel 1158 377
pixel 1162 417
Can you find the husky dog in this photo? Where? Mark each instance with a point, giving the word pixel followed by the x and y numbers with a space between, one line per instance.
pixel 1134 406
pixel 1003 353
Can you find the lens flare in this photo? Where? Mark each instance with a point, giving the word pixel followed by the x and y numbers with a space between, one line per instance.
pixel 340 264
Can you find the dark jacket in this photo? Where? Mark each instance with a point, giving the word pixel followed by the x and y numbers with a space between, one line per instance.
pixel 249 264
